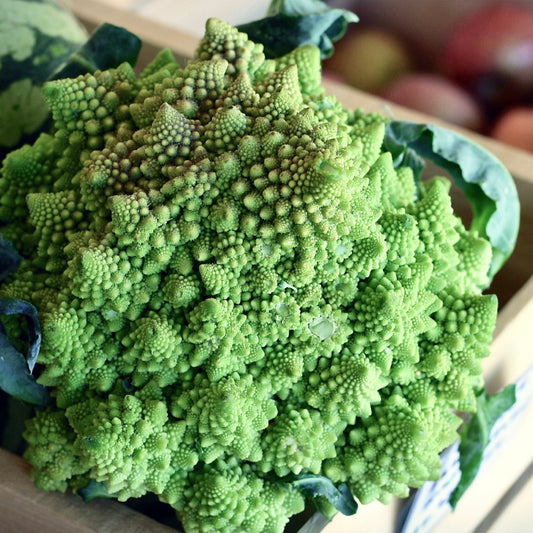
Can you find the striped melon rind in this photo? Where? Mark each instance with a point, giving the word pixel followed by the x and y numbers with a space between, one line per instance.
pixel 36 38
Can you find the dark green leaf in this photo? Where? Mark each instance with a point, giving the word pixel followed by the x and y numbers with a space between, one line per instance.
pixel 293 23
pixel 475 436
pixel 9 258
pixel 15 369
pixel 15 379
pixel 315 487
pixel 93 490
pixel 10 306
pixel 13 416
pixel 486 183
pixel 107 47
pixel 127 384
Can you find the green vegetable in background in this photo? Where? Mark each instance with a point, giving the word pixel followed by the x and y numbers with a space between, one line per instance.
pixel 36 38
pixel 41 40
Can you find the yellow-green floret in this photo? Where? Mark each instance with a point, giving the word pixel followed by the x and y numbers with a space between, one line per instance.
pixel 236 287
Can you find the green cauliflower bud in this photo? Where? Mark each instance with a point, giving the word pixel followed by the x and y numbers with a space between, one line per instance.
pixel 237 287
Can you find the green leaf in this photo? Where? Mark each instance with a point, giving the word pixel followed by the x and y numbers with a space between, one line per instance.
pixel 486 183
pixel 315 487
pixel 13 416
pixel 10 306
pixel 107 47
pixel 9 258
pixel 15 369
pixel 475 436
pixel 293 23
pixel 93 490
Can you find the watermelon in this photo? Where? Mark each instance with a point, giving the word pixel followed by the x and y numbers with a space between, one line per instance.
pixel 36 38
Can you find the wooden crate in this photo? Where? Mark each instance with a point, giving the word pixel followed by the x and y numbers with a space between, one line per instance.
pixel 500 496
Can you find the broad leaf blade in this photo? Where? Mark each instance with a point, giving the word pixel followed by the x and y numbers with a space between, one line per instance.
pixel 314 487
pixel 475 436
pixel 15 378
pixel 95 490
pixel 107 47
pixel 486 183
pixel 15 369
pixel 10 306
pixel 293 23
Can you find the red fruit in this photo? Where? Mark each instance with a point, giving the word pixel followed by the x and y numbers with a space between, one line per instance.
pixel 490 52
pixel 438 97
pixel 515 127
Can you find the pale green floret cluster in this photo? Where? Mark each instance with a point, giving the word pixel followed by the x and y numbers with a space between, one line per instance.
pixel 237 287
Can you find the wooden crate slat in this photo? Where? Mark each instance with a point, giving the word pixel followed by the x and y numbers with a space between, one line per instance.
pixel 25 509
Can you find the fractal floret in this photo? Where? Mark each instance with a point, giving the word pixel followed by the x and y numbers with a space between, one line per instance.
pixel 237 287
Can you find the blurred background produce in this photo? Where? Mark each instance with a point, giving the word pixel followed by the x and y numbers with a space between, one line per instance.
pixel 467 62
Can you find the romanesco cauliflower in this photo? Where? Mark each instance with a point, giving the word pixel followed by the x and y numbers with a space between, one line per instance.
pixel 237 287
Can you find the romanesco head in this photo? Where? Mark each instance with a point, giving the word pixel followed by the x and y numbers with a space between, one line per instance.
pixel 236 287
